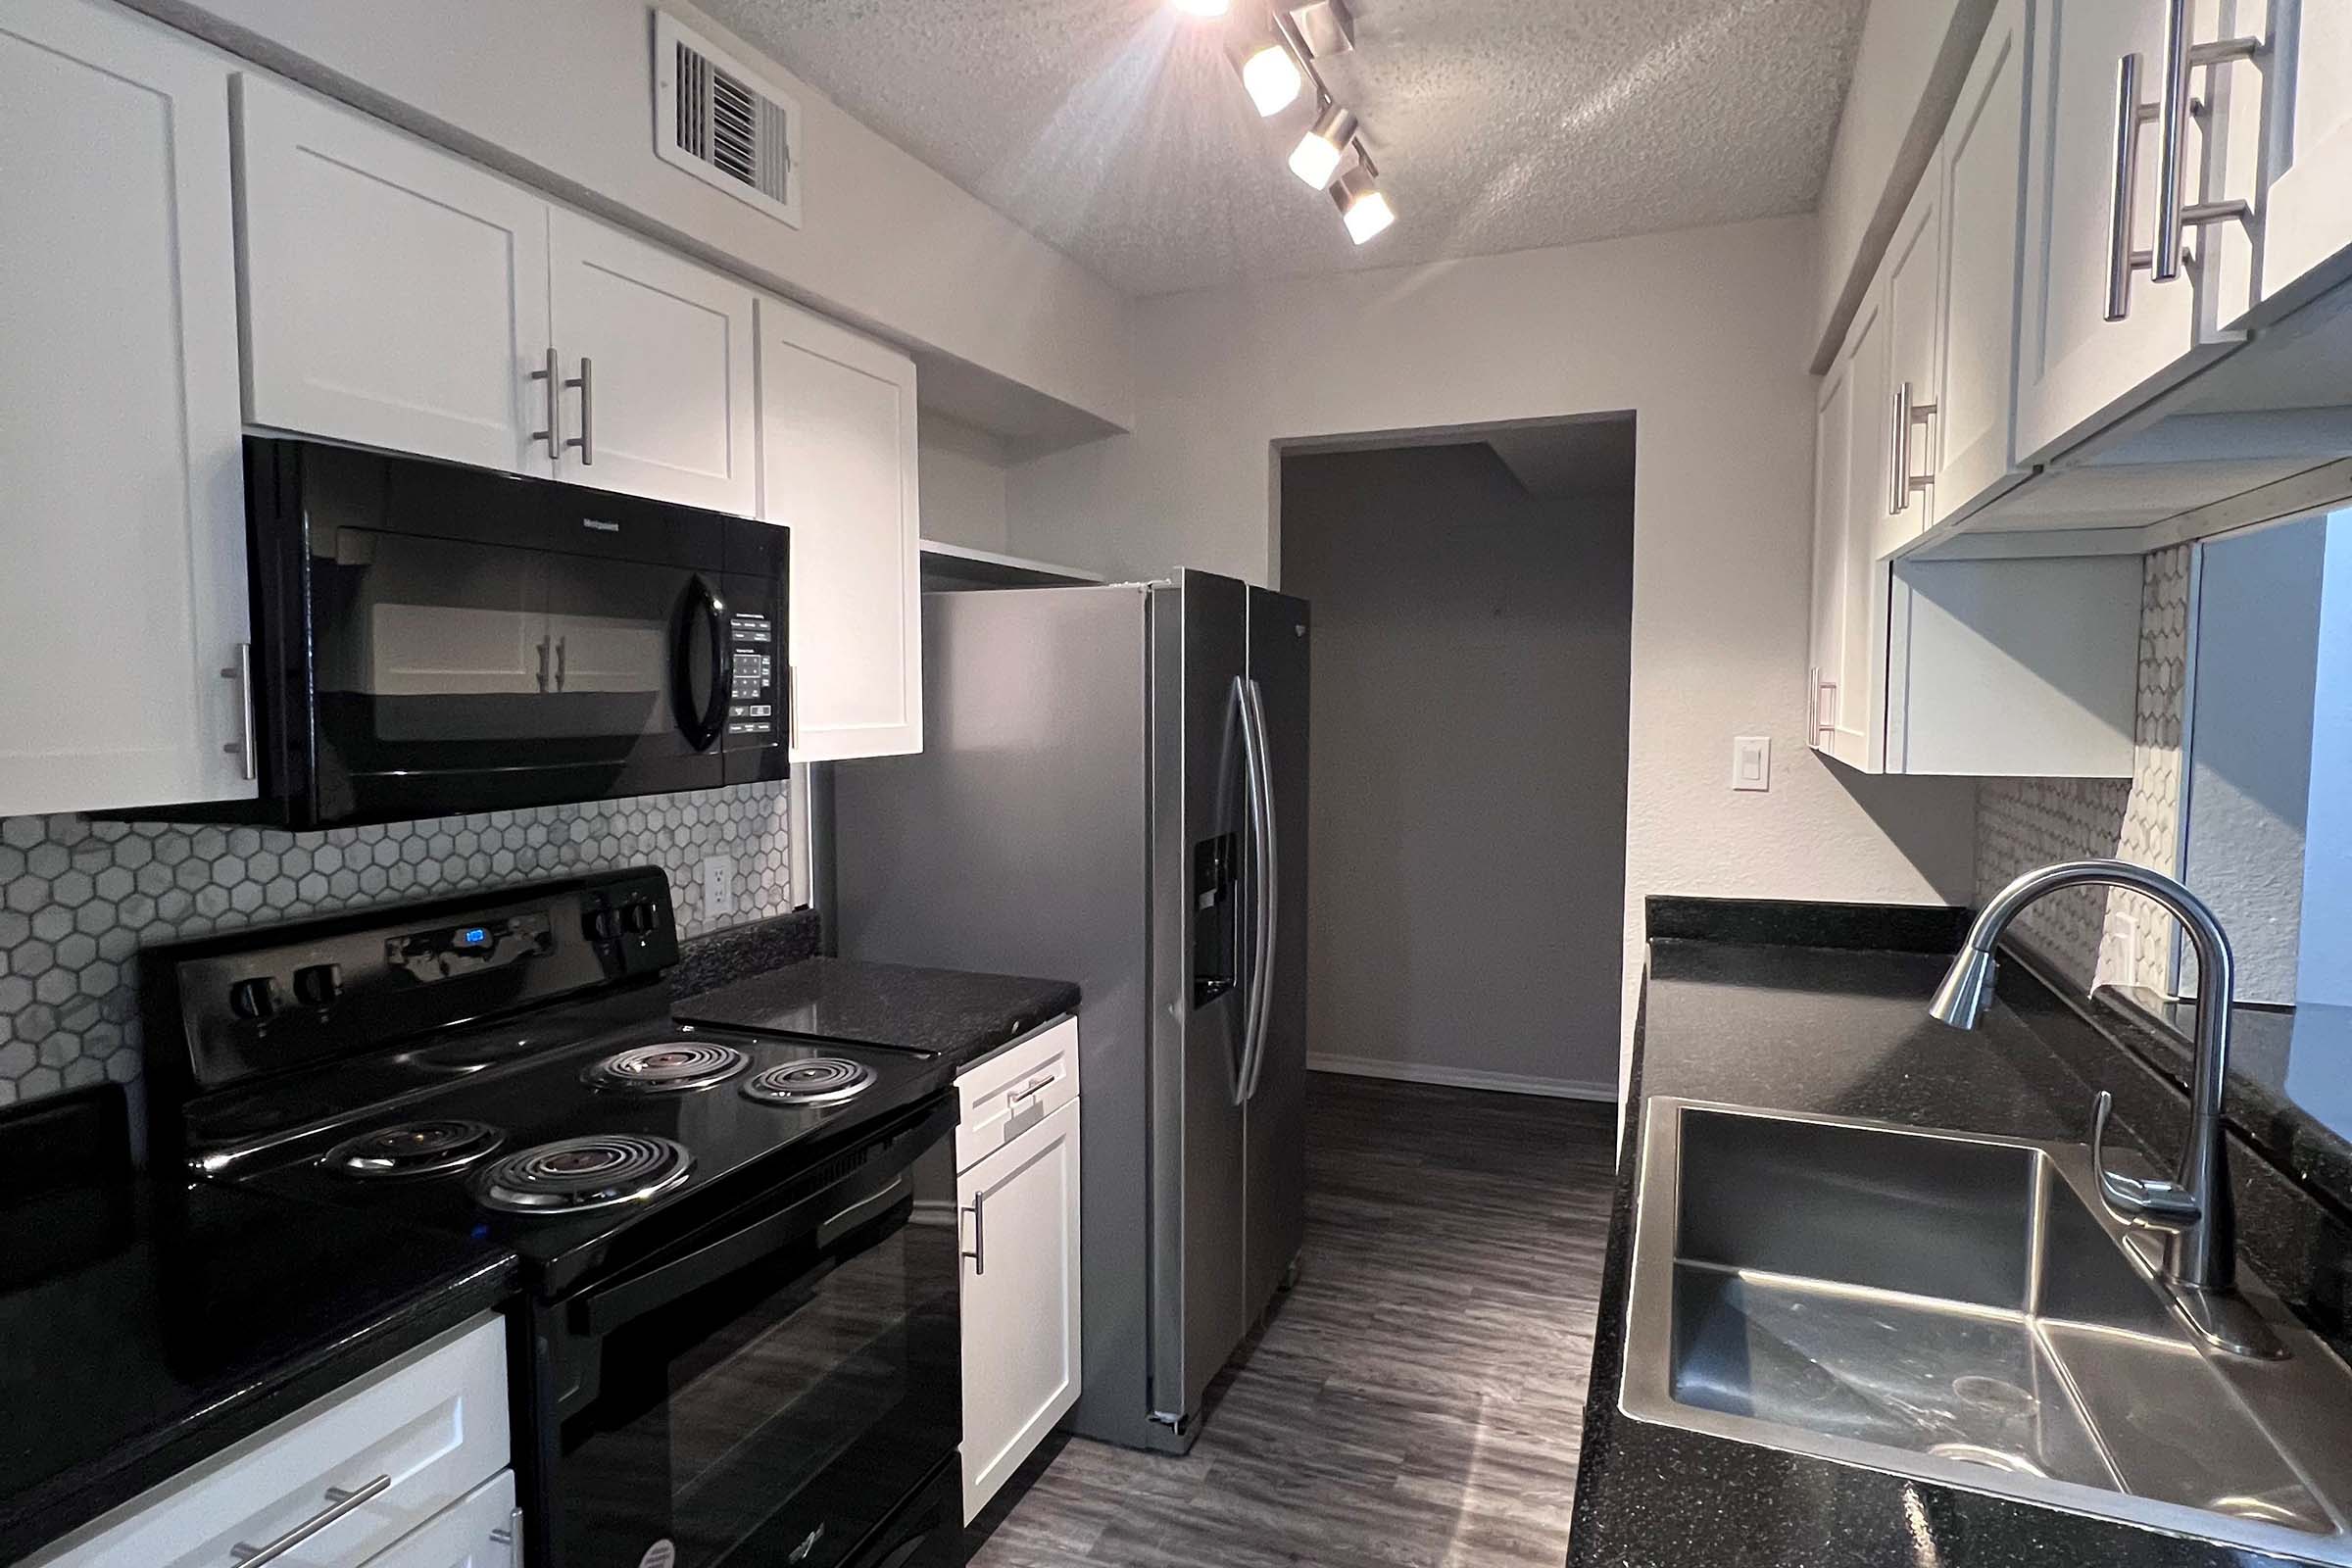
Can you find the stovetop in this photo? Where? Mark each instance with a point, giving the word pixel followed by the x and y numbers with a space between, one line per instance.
pixel 475 1109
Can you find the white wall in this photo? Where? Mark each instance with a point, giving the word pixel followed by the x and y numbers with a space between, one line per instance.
pixel 558 92
pixel 2327 918
pixel 1466 838
pixel 2249 747
pixel 1908 71
pixel 961 473
pixel 1704 334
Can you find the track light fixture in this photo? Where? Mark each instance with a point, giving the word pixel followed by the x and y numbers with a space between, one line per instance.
pixel 1276 61
pixel 1362 207
pixel 1316 158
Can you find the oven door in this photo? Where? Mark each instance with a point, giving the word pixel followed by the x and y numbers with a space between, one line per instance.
pixel 781 1387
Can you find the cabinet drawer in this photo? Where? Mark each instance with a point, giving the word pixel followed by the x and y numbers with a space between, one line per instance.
pixel 430 1428
pixel 481 1530
pixel 1011 1092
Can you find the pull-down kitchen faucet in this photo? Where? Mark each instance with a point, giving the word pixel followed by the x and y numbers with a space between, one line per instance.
pixel 2193 1210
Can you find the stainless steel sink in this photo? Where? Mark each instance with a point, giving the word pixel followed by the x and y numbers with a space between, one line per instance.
pixel 1958 1308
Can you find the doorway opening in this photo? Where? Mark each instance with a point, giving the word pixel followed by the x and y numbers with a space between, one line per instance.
pixel 1473 594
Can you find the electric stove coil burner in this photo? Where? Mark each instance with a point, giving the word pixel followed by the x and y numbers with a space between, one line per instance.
pixel 674 1065
pixel 817 1081
pixel 415 1148
pixel 572 1174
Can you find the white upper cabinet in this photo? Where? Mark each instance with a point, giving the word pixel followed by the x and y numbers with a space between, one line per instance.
pixel 122 597
pixel 656 357
pixel 2101 333
pixel 1905 503
pixel 1860 674
pixel 395 296
pixel 1983 171
pixel 1832 425
pixel 836 465
pixel 2307 220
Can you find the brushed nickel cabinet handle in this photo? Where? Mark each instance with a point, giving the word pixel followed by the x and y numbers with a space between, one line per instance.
pixel 585 381
pixel 2175 214
pixel 243 748
pixel 338 1503
pixel 2122 260
pixel 979 1252
pixel 552 435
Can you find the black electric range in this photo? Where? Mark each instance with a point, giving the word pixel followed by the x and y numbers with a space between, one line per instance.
pixel 739 1342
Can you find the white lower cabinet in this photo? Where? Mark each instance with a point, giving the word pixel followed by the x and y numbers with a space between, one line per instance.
pixel 1018 1214
pixel 371 1473
pixel 123 596
pixel 481 1530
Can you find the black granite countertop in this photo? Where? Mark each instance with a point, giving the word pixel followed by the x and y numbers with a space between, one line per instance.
pixel 1842 1029
pixel 961 1015
pixel 144 1326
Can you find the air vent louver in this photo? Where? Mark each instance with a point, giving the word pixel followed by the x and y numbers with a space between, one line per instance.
pixel 722 125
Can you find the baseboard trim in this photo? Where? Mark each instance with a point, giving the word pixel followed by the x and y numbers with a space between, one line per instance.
pixel 1506 1083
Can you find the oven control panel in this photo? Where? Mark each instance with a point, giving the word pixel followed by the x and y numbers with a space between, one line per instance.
pixel 754 704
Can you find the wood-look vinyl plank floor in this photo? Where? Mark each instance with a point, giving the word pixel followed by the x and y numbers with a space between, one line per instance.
pixel 1415 1403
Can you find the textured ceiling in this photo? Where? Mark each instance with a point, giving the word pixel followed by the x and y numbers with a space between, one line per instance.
pixel 1117 131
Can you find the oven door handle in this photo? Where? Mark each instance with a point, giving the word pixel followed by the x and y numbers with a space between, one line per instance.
pixel 601 1310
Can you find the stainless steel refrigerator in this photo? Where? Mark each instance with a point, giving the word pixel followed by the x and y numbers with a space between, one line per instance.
pixel 1113 790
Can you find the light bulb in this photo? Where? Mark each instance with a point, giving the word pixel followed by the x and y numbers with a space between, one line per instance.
pixel 1271 79
pixel 1363 206
pixel 1316 158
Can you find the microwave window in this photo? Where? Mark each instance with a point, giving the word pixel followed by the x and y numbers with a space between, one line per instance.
pixel 440 654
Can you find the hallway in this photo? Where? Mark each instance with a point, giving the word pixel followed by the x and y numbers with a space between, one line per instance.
pixel 1416 1401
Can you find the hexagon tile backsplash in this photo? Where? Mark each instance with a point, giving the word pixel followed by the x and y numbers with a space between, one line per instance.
pixel 78 899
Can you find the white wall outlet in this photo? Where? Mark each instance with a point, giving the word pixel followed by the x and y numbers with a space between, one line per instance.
pixel 719 886
pixel 1752 761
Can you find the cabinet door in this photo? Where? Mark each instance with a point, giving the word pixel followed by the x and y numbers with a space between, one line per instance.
pixel 1984 201
pixel 123 598
pixel 395 295
pixel 660 350
pixel 836 465
pixel 481 1530
pixel 1861 667
pixel 2078 371
pixel 1020 1300
pixel 2306 223
pixel 1913 268
pixel 1831 429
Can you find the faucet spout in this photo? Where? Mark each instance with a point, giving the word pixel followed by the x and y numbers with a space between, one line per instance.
pixel 2200 1254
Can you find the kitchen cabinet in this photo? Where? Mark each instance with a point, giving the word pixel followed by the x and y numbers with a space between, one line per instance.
pixel 1017 1208
pixel 394 296
pixel 123 603
pixel 836 465
pixel 1967 667
pixel 2102 331
pixel 1980 169
pixel 406 1467
pixel 657 369
pixel 2306 220
pixel 397 296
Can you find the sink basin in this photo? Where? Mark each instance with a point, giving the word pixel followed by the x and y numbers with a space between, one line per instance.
pixel 1958 1308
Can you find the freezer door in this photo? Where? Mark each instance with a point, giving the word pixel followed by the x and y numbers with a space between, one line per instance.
pixel 1198 1237
pixel 1275 1133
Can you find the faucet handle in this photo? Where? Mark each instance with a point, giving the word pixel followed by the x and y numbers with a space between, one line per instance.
pixel 2129 1197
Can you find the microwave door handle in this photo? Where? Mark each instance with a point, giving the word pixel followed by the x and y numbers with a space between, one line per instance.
pixel 704 724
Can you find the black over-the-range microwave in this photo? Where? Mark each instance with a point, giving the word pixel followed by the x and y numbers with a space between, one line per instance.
pixel 431 639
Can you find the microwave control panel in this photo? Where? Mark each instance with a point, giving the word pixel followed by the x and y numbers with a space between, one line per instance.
pixel 752 705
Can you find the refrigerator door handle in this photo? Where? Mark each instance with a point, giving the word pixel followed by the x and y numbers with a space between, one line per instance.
pixel 1263 888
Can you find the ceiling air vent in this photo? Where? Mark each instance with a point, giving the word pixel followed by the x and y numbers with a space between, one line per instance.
pixel 721 124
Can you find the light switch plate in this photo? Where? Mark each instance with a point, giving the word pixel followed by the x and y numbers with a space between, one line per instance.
pixel 719 886
pixel 1752 761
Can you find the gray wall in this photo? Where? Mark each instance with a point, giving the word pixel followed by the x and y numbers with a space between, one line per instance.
pixel 1467 833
